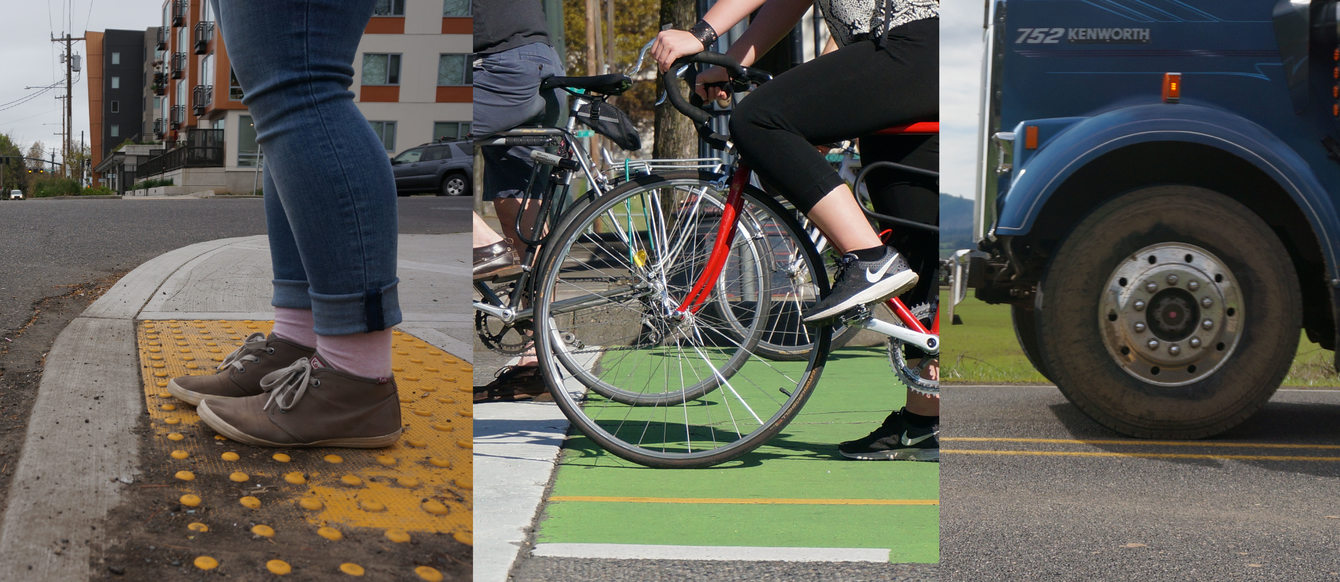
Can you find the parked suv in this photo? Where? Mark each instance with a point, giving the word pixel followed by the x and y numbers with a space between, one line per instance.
pixel 441 167
pixel 16 194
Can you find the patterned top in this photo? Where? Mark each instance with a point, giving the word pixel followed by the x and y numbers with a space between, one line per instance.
pixel 853 20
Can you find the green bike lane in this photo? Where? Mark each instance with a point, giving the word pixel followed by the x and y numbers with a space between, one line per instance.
pixel 794 498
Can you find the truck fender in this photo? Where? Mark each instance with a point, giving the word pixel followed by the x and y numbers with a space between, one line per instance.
pixel 1078 141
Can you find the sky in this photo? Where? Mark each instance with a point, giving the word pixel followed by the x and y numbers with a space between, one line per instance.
pixel 960 94
pixel 32 60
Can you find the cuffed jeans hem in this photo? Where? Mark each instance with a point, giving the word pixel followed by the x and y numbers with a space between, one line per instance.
pixel 291 295
pixel 373 310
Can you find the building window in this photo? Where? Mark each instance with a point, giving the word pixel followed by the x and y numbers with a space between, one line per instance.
pixel 116 82
pixel 207 69
pixel 389 8
pixel 248 153
pixel 207 15
pixel 116 58
pixel 116 107
pixel 115 130
pixel 450 130
pixel 453 70
pixel 386 131
pixel 234 87
pixel 455 8
pixel 381 69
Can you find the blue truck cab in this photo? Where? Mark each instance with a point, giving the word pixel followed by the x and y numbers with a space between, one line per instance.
pixel 1157 193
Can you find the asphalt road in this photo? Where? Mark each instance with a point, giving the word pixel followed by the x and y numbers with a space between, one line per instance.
pixel 1258 503
pixel 48 245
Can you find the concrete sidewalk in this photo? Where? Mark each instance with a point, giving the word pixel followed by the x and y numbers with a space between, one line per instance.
pixel 82 452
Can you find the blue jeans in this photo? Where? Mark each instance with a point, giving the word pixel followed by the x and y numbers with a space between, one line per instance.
pixel 330 199
pixel 507 94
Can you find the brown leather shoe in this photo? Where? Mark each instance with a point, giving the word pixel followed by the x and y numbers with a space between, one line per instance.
pixel 240 373
pixel 496 261
pixel 309 404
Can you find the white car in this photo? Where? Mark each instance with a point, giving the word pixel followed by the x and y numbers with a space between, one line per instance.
pixel 16 194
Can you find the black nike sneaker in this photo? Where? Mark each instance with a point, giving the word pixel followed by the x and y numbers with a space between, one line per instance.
pixel 862 282
pixel 895 440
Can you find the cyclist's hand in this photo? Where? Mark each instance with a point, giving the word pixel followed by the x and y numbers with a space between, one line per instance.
pixel 710 85
pixel 670 45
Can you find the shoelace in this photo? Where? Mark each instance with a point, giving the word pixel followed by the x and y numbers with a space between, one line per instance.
pixel 288 385
pixel 245 354
pixel 844 262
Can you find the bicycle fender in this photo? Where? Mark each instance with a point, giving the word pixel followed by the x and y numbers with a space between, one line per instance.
pixel 1066 145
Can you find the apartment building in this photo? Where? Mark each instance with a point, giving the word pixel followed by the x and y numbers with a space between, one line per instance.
pixel 411 80
pixel 117 70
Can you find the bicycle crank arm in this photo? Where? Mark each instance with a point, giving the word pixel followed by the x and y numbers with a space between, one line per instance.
pixel 926 342
pixel 502 313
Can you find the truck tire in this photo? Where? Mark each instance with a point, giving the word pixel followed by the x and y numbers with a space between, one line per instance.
pixel 1026 331
pixel 1169 312
pixel 454 184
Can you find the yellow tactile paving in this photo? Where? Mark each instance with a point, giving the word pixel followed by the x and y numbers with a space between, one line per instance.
pixel 422 485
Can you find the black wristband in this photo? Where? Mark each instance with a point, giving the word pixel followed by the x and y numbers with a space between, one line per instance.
pixel 704 33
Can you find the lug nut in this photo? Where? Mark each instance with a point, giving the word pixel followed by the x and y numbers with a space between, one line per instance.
pixel 1151 286
pixel 1193 285
pixel 1207 324
pixel 1174 349
pixel 1139 326
pixel 1138 305
pixel 1206 302
pixel 1172 279
pixel 1153 344
pixel 1195 342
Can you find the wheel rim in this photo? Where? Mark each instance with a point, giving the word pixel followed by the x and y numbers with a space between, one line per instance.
pixel 1171 314
pixel 454 187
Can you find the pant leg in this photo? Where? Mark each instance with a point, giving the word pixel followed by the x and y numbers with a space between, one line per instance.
pixel 850 92
pixel 507 94
pixel 909 196
pixel 290 278
pixel 330 170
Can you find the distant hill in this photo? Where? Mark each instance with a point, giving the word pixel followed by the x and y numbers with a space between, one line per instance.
pixel 955 224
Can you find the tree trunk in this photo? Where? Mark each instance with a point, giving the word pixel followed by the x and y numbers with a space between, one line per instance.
pixel 675 137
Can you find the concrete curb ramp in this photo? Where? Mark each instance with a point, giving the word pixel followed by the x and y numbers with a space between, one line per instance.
pixel 81 450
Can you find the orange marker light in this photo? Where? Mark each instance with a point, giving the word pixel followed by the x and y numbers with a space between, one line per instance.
pixel 1031 137
pixel 1172 87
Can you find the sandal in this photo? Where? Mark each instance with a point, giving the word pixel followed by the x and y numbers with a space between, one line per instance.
pixel 514 383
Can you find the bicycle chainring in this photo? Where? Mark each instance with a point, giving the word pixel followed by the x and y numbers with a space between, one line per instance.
pixel 503 338
pixel 913 374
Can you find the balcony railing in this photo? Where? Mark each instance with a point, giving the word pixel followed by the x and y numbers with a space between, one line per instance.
pixel 158 129
pixel 204 32
pixel 178 65
pixel 179 12
pixel 201 98
pixel 203 149
pixel 162 39
pixel 178 116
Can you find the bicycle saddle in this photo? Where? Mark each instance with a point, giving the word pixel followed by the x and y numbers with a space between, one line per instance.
pixel 611 84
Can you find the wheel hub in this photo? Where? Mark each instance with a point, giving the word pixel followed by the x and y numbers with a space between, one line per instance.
pixel 1171 314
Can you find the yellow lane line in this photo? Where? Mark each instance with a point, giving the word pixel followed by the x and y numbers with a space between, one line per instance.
pixel 1141 455
pixel 1135 442
pixel 737 501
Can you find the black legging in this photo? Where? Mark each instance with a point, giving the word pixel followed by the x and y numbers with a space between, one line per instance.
pixel 856 90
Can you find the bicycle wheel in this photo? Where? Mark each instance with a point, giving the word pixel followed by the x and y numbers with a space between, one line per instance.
pixel 648 382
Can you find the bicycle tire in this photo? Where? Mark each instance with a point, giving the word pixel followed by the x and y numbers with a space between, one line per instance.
pixel 719 324
pixel 727 400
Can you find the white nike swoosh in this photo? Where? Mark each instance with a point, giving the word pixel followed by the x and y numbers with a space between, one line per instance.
pixel 909 442
pixel 874 276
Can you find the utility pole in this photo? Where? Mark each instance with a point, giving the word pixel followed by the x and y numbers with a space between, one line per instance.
pixel 71 61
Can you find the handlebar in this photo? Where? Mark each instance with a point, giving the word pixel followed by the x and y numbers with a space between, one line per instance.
pixel 702 119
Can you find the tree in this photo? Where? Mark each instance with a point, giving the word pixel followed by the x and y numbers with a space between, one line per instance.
pixel 635 24
pixel 36 153
pixel 12 174
pixel 675 137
